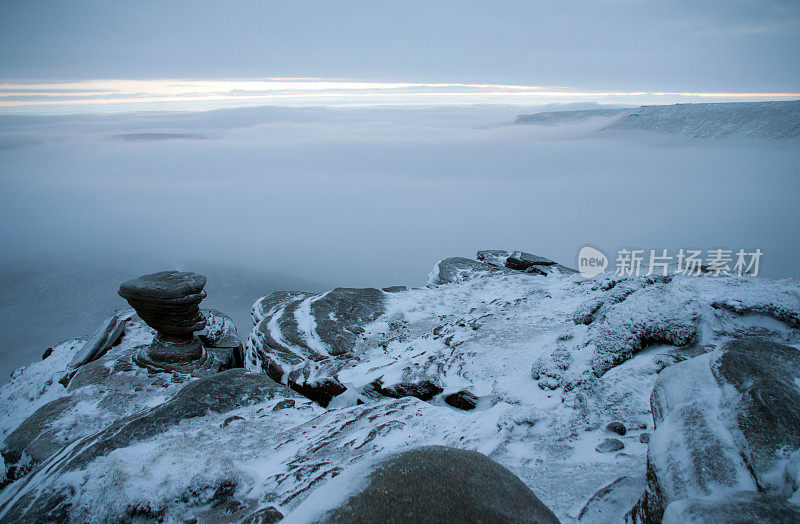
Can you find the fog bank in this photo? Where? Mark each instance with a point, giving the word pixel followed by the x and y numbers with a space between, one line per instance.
pixel 371 197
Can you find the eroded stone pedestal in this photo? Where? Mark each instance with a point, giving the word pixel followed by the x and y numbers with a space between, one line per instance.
pixel 169 302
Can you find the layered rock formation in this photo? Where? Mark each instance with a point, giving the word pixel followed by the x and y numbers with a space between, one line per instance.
pixel 169 302
pixel 303 339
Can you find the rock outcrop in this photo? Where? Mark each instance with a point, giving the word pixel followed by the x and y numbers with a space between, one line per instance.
pixel 169 302
pixel 493 261
pixel 99 383
pixel 217 394
pixel 303 340
pixel 545 362
pixel 726 424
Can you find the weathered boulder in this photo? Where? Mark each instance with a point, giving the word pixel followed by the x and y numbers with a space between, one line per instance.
pixel 616 427
pixel 492 261
pixel 534 264
pixel 303 340
pixel 421 389
pixel 439 484
pixel 168 301
pixel 495 257
pixel 723 424
pixel 609 445
pixel 462 400
pixel 459 269
pixel 521 261
pixel 765 375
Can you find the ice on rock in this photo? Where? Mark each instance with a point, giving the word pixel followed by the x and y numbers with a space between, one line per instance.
pixel 547 361
pixel 302 339
pixel 725 423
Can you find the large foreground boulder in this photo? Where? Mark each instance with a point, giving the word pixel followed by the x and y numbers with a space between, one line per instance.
pixel 726 424
pixel 434 484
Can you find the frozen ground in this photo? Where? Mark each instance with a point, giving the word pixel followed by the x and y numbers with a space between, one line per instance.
pixel 548 378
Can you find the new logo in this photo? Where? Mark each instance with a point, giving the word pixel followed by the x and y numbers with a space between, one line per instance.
pixel 591 262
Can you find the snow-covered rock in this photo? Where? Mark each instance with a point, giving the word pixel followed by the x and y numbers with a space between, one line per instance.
pixel 726 423
pixel 427 484
pixel 459 269
pixel 302 339
pixel 547 361
pixel 52 406
pixel 44 495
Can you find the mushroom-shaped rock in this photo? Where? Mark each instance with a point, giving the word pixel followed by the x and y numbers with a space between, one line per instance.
pixel 169 302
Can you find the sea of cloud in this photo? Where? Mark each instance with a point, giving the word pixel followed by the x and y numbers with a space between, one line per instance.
pixel 364 196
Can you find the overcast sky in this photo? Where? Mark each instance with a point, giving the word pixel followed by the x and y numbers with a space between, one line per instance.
pixel 725 45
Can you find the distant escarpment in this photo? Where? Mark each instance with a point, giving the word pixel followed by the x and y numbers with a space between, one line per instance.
pixel 764 120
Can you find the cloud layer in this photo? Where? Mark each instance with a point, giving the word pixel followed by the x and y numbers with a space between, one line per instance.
pixel 139 95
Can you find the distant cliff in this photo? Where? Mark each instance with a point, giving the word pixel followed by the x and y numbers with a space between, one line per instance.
pixel 764 120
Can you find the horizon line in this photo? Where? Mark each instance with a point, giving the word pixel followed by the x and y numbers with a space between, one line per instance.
pixel 122 95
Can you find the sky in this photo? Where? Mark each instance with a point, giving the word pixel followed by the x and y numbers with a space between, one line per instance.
pixel 99 55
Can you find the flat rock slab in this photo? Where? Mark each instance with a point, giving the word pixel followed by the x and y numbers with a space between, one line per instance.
pixel 105 337
pixel 163 285
pixel 521 260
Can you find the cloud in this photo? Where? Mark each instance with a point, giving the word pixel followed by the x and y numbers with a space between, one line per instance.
pixel 128 95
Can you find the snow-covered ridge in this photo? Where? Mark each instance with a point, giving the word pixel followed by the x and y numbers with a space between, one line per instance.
pixel 508 354
pixel 764 120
